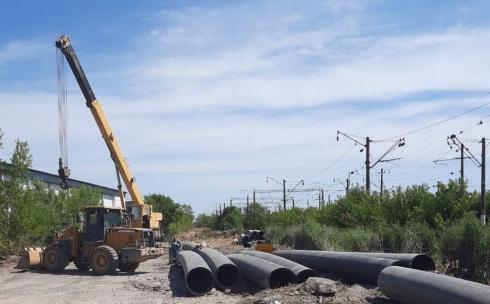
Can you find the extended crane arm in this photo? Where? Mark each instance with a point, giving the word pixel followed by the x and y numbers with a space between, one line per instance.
pixel 64 44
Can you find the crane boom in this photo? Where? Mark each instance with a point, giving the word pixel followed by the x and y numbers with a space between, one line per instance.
pixel 64 44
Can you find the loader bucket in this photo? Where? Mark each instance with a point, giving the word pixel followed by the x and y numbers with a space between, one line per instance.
pixel 30 258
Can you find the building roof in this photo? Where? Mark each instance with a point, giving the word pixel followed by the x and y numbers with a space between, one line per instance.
pixel 55 179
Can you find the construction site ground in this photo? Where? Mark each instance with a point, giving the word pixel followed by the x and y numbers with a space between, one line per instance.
pixel 157 282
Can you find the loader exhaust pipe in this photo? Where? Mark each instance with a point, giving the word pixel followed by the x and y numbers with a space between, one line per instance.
pixel 301 273
pixel 264 273
pixel 225 273
pixel 408 286
pixel 198 276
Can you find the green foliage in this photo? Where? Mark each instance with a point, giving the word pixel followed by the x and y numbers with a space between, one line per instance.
pixel 230 218
pixel 255 217
pixel 177 218
pixel 466 246
pixel 204 220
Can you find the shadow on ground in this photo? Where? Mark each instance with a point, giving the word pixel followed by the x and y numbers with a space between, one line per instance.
pixel 76 272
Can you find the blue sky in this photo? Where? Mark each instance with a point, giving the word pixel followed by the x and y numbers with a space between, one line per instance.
pixel 209 98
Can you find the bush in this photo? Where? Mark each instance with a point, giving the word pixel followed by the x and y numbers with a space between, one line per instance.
pixel 466 247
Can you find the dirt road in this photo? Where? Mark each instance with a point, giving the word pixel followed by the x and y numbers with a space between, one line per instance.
pixel 157 282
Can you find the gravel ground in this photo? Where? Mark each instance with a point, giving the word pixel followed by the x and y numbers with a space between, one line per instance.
pixel 157 282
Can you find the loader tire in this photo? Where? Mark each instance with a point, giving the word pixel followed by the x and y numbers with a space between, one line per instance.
pixel 128 267
pixel 55 258
pixel 82 266
pixel 103 260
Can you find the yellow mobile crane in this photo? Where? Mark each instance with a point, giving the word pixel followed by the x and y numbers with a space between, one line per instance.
pixel 142 215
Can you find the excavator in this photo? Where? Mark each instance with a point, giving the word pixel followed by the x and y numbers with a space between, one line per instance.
pixel 105 239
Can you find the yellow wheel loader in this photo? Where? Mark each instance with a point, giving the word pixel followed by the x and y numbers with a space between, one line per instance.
pixel 102 243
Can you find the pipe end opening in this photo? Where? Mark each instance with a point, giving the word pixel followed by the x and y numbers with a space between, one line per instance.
pixel 281 277
pixel 227 275
pixel 200 281
pixel 423 262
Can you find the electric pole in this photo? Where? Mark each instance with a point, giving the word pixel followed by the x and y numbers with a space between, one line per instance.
pixel 461 170
pixel 382 184
pixel 367 147
pixel 284 193
pixel 368 166
pixel 483 212
pixel 323 198
pixel 479 163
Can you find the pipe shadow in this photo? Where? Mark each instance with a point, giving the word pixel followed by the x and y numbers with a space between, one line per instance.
pixel 176 281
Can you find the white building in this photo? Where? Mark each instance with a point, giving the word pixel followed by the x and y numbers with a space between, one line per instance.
pixel 110 196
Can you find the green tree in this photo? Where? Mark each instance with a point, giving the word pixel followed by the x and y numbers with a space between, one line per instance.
pixel 255 217
pixel 177 218
pixel 230 218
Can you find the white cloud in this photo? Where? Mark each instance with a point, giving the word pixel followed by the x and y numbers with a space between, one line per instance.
pixel 224 97
pixel 21 50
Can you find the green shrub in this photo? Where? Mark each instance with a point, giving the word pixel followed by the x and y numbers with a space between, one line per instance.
pixel 466 246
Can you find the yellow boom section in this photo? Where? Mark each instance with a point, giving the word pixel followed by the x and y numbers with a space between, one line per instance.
pixel 116 152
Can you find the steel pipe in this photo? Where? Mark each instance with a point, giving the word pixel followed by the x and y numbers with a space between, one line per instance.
pixel 188 245
pixel 351 267
pixel 410 260
pixel 225 273
pixel 301 273
pixel 198 276
pixel 264 273
pixel 414 286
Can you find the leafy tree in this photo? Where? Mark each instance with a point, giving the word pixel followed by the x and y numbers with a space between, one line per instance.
pixel 230 218
pixel 255 217
pixel 177 217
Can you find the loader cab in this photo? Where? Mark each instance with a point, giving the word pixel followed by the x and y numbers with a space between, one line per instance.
pixel 96 220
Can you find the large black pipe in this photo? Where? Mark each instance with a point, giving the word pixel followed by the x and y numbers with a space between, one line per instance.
pixel 301 273
pixel 414 286
pixel 225 273
pixel 410 260
pixel 264 273
pixel 198 276
pixel 351 267
pixel 188 245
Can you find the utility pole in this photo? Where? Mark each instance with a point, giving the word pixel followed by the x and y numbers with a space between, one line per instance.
pixel 367 146
pixel 319 200
pixel 461 171
pixel 368 166
pixel 219 209
pixel 253 197
pixel 347 185
pixel 323 198
pixel 479 163
pixel 329 199
pixel 284 193
pixel 483 212
pixel 247 202
pixel 382 185
pixel 293 201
